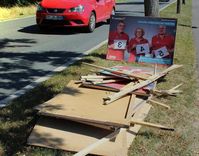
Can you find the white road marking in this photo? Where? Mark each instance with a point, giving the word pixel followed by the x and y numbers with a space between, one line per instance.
pixel 20 18
pixel 167 5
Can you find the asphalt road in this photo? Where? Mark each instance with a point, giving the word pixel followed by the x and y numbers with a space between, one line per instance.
pixel 26 54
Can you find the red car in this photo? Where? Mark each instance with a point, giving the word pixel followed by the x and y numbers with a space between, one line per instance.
pixel 73 13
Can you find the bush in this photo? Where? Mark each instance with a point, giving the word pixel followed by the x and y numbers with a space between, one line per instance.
pixel 10 3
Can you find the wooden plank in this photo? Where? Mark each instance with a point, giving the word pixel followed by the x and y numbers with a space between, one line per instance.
pixel 160 104
pixel 137 76
pixel 112 89
pixel 85 104
pixel 93 120
pixel 172 92
pixel 130 112
pixel 103 140
pixel 97 77
pixel 151 125
pixel 109 81
pixel 131 88
pixel 94 80
pixel 71 136
pixel 107 127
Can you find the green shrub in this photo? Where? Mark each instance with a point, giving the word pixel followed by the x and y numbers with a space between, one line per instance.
pixel 10 3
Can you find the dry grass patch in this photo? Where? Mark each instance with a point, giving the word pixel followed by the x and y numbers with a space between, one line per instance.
pixel 16 12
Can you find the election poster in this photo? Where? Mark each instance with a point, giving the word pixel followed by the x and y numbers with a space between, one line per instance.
pixel 142 39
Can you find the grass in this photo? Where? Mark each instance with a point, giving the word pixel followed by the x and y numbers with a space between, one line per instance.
pixel 16 12
pixel 184 114
pixel 18 119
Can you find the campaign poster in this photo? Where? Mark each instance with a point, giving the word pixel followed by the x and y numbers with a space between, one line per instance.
pixel 142 39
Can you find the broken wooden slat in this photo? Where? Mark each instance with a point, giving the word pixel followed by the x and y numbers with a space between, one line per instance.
pixel 173 91
pixel 137 76
pixel 174 88
pixel 131 88
pixel 160 104
pixel 108 81
pixel 167 92
pixel 89 148
pixel 151 125
pixel 94 80
pixel 129 112
pixel 97 77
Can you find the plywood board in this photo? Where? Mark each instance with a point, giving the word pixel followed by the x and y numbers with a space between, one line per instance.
pixel 71 136
pixel 86 104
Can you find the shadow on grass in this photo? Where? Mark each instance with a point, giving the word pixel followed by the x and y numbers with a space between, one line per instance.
pixel 20 115
pixel 189 26
pixel 97 55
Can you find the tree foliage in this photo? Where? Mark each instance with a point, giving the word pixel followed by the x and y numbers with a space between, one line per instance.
pixel 10 3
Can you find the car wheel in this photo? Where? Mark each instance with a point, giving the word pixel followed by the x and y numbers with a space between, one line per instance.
pixel 92 23
pixel 112 13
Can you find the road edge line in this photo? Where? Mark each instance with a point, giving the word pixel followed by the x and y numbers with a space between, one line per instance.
pixel 168 5
pixel 19 18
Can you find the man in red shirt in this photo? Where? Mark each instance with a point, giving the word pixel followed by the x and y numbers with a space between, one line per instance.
pixel 117 42
pixel 163 43
pixel 137 40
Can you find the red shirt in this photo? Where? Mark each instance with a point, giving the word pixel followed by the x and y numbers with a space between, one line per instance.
pixel 135 42
pixel 117 36
pixel 116 54
pixel 167 41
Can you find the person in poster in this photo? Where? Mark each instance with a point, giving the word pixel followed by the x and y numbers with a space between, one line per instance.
pixel 163 44
pixel 138 46
pixel 117 42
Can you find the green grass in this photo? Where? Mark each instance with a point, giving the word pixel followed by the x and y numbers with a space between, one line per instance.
pixel 184 114
pixel 18 119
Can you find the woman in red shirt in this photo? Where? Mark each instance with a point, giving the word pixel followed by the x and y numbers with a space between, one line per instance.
pixel 138 39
